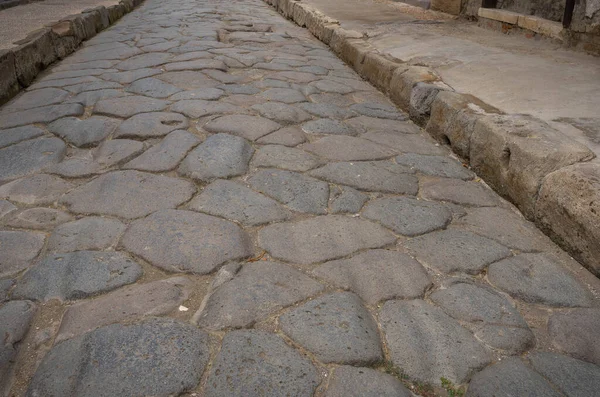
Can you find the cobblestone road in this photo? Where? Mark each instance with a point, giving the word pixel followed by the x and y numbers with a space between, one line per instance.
pixel 205 201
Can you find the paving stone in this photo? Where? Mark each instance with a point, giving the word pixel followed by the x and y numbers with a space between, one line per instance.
pixel 219 156
pixel 459 192
pixel 15 135
pixel 208 94
pixel 495 320
pixel 77 275
pixel 18 249
pixel 39 189
pixel 151 125
pixel 435 165
pixel 144 61
pixel 408 216
pixel 249 127
pixel 167 154
pixel 6 207
pixel 328 126
pixel 130 76
pixel 379 111
pixel 287 136
pixel 427 344
pixel 5 286
pixel 128 106
pixel 186 241
pixel 128 194
pixel 346 200
pixel 197 64
pixel 15 319
pixel 332 99
pixel 277 156
pixel 368 176
pixel 37 218
pixel 28 157
pixel 158 357
pixel 37 98
pixel 89 98
pixel 295 77
pixel 574 378
pixel 284 95
pixel 256 363
pixel 152 87
pixel 258 290
pixel 336 328
pixel 270 83
pixel 510 377
pixel 195 108
pixel 456 251
pixel 348 381
pixel 347 148
pixel 297 191
pixel 377 275
pixel 84 133
pixel 130 303
pixel 239 89
pixel 322 238
pixel 538 278
pixel 189 80
pixel 62 82
pixel 327 110
pixel 90 233
pixel 234 201
pixel 92 86
pixel 407 143
pixel 574 332
pixel 331 86
pixel 389 128
pixel 286 114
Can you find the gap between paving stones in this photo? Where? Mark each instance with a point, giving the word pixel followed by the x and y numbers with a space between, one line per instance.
pixel 548 177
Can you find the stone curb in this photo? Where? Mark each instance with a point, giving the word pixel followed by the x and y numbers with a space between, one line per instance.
pixel 524 159
pixel 20 65
pixel 14 3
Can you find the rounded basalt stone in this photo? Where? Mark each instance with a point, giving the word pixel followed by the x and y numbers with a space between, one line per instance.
pixel 18 249
pixel 435 165
pixel 249 127
pixel 15 319
pixel 575 333
pixel 151 125
pixel 328 126
pixel 287 158
pixel 90 233
pixel 30 156
pixel 84 133
pixel 38 218
pixel 39 189
pixel 348 381
pixel 186 241
pixel 348 148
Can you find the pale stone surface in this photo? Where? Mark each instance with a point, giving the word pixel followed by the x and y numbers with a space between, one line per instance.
pixel 39 189
pixel 18 249
pixel 90 233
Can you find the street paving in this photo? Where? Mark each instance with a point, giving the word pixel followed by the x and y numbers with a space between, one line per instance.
pixel 204 200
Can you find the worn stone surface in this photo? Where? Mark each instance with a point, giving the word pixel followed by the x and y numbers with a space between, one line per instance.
pixel 128 106
pixel 44 114
pixel 195 108
pixel 37 218
pixel 151 125
pixel 572 377
pixel 459 192
pixel 346 200
pixel 15 135
pixel 249 127
pixel 328 126
pixel 284 95
pixel 258 290
pixel 186 241
pixel 90 233
pixel 287 136
pixel 77 275
pixel 405 142
pixel 28 157
pixel 39 189
pixel 18 249
pixel 153 88
pixel 167 154
pixel 348 381
pixel 253 363
pixel 83 133
pixel 280 112
pixel 435 165
pixel 573 332
pixel 379 111
pixel 347 148
pixel 279 156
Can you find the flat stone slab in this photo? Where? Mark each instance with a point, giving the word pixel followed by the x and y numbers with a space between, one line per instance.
pixel 322 238
pixel 441 166
pixel 128 106
pixel 15 319
pixel 336 328
pixel 219 156
pixel 128 194
pixel 18 249
pixel 368 176
pixel 287 136
pixel 83 133
pixel 77 275
pixel 151 125
pixel 538 278
pixel 44 114
pixel 186 241
pixel 378 110
pixel 258 290
pixel 208 94
pixel 90 233
pixel 249 127
pixel 327 110
pixel 281 112
pixel 37 218
pixel 346 200
pixel 158 357
pixel 291 159
pixel 408 216
pixel 128 303
pixel 37 98
pixel 496 322
pixel 377 275
pixel 39 189
pixel 405 142
pixel 11 136
pixel 144 61
pixel 574 332
pixel 236 202
pixel 298 192
pixel 196 108
pixel 389 127
pixel 256 363
pixel 455 250
pixel 167 154
pixel 347 148
pixel 427 344
pixel 352 381
pixel 153 87
pixel 459 192
pixel 284 95
pixel 328 126
pixel 28 157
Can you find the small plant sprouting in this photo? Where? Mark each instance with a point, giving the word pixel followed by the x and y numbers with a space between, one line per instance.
pixel 452 390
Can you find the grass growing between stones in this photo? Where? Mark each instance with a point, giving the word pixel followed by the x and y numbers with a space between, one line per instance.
pixel 419 388
pixel 452 390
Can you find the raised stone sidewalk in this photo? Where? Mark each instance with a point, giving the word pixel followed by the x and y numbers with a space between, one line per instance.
pixel 205 201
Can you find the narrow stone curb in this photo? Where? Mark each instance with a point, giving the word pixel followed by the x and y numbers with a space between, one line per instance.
pixel 20 65
pixel 522 158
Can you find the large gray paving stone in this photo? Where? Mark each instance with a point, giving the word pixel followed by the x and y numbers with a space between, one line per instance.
pixel 153 87
pixel 348 381
pixel 39 189
pixel 196 64
pixel 6 207
pixel 77 275
pixel 158 357
pixel 18 249
pixel 442 166
pixel 331 86
pixel 294 77
pixel 128 194
pixel 89 233
pixel 327 110
pixel 167 154
pixel 377 275
pixel 455 250
pixel 130 76
pixel 408 216
pixel 378 110
pixel 496 322
pixel 336 328
pixel 291 159
pixel 386 126
pixel 44 114
pixel 36 98
pixel 460 192
pixel 346 200
pixel 127 106
pixel 144 61
pixel 208 94
pixel 235 201
pixel 538 278
pixel 219 156
pixel 328 126
pixel 89 98
pixel 5 286
pixel 368 176
pixel 196 108
pixel 92 86
pixel 347 148
pixel 427 344
pixel 185 241
pixel 37 218
pixel 84 133
pixel 405 142
pixel 249 127
pixel 188 80
pixel 256 363
pixel 258 290
pixel 28 157
pixel 151 125
pixel 287 136
pixel 284 95
pixel 322 238
pixel 14 135
pixel 281 112
pixel 299 192
pixel 575 333
pixel 574 378
pixel 130 303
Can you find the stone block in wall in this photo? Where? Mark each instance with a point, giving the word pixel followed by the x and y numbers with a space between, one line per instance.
pixel 34 55
pixel 9 85
pixel 540 25
pixel 499 15
pixel 447 6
